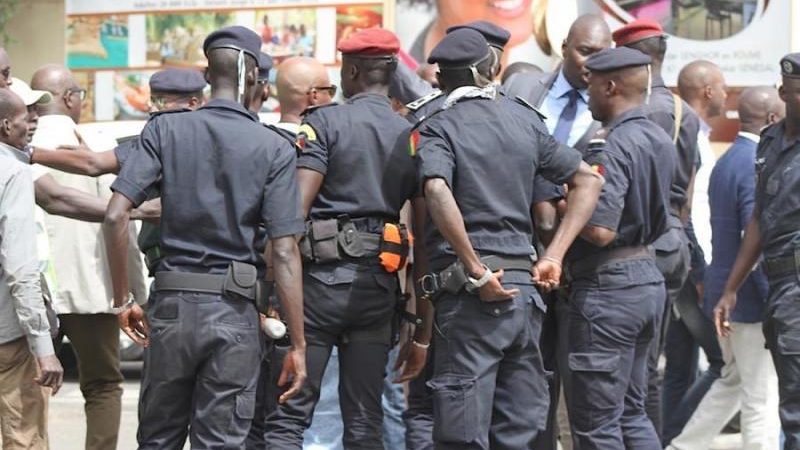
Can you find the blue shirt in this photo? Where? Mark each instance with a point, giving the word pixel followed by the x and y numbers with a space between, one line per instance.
pixel 555 102
pixel 731 195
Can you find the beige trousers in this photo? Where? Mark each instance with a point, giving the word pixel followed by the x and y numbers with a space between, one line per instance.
pixel 23 403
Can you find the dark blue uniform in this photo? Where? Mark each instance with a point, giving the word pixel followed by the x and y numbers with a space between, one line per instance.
pixel 361 147
pixel 489 384
pixel 617 293
pixel 222 175
pixel 778 200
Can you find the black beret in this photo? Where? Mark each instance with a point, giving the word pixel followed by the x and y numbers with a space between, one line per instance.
pixel 790 65
pixel 617 58
pixel 264 66
pixel 496 36
pixel 235 37
pixel 178 81
pixel 461 48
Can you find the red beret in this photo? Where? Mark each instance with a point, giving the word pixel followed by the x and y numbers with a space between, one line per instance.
pixel 636 31
pixel 370 42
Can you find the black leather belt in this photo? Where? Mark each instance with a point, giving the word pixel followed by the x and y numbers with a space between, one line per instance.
pixel 199 282
pixel 782 265
pixel 453 278
pixel 592 263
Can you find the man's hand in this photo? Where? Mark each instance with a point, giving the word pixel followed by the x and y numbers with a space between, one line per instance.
pixel 722 313
pixel 134 323
pixel 546 274
pixel 52 374
pixel 493 291
pixel 411 359
pixel 294 368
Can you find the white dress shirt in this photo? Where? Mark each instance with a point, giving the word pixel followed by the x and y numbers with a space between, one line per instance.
pixel 701 211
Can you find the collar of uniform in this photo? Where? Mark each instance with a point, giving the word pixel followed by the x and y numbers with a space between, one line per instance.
pixel 781 132
pixel 658 81
pixel 222 103
pixel 370 96
pixel 750 136
pixel 14 152
pixel 631 114
pixel 561 87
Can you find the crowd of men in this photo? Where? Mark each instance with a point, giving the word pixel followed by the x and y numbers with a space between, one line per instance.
pixel 554 231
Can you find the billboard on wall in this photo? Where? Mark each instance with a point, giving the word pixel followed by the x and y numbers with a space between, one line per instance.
pixel 114 47
pixel 745 37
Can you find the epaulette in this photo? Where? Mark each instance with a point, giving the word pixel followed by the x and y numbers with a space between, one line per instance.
pixel 527 104
pixel 168 111
pixel 597 142
pixel 311 109
pixel 422 101
pixel 125 139
pixel 425 118
pixel 286 134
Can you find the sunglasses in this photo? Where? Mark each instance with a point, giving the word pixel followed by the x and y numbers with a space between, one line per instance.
pixel 81 93
pixel 331 89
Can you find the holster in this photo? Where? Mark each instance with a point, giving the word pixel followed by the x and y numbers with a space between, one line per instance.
pixel 241 282
pixel 324 241
pixel 349 238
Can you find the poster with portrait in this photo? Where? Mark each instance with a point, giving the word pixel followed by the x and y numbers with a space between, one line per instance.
pixel 115 46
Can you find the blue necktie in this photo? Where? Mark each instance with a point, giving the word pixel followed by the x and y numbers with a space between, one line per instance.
pixel 567 118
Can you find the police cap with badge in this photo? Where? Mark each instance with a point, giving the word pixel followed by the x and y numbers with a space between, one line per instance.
pixel 790 65
pixel 613 59
pixel 177 81
pixel 265 64
pixel 239 38
pixel 461 49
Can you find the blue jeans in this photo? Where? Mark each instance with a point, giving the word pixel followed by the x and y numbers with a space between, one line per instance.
pixel 683 387
pixel 325 432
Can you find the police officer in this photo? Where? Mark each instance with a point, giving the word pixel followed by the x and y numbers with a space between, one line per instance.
pixel 222 175
pixel 682 124
pixel 774 232
pixel 616 291
pixel 261 92
pixel 476 160
pixel 496 36
pixel 355 175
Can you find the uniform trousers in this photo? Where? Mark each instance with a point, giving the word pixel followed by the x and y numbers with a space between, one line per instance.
pixel 200 372
pixel 749 383
pixel 489 384
pixel 349 305
pixel 23 403
pixel 613 321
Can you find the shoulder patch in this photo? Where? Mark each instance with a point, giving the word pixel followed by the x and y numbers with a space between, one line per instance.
pixel 422 101
pixel 305 134
pixel 527 104
pixel 311 109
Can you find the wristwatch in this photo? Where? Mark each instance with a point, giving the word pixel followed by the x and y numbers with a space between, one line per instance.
pixel 475 284
pixel 117 310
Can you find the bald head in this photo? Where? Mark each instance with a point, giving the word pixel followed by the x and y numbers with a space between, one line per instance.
pixel 758 107
pixel 295 81
pixel 58 80
pixel 13 119
pixel 588 35
pixel 5 69
pixel 702 85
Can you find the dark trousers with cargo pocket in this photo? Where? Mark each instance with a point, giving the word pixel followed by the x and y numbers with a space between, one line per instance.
pixel 614 317
pixel 200 372
pixel 351 305
pixel 489 384
pixel 782 333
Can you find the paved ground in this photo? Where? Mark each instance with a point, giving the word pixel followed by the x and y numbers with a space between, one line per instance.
pixel 67 421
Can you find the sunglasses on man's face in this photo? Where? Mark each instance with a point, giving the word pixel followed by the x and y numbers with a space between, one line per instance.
pixel 81 93
pixel 331 89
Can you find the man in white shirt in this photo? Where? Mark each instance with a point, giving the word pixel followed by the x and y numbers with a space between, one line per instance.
pixel 79 271
pixel 27 358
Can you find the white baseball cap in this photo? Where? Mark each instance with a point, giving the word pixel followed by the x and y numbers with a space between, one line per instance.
pixel 28 95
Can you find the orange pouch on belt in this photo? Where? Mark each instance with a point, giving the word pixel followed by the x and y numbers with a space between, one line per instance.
pixel 395 243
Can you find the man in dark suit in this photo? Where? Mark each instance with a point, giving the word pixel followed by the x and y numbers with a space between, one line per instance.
pixel 562 97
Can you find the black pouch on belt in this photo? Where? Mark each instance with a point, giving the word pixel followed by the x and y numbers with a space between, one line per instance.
pixel 324 240
pixel 241 281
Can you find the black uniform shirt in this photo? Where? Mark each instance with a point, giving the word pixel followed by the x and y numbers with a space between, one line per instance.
pixel 222 175
pixel 778 192
pixel 637 161
pixel 661 110
pixel 361 147
pixel 488 151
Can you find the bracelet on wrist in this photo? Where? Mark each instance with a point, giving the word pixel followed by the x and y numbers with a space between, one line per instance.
pixel 117 310
pixel 420 345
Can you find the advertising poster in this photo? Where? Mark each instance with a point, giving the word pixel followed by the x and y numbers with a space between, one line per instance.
pixel 114 47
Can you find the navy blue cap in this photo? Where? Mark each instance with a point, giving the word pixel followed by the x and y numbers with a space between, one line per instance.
pixel 790 65
pixel 177 81
pixel 461 48
pixel 264 66
pixel 617 58
pixel 495 35
pixel 235 37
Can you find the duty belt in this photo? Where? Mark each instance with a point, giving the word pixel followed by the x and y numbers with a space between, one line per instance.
pixel 453 278
pixel 590 264
pixel 203 283
pixel 782 265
